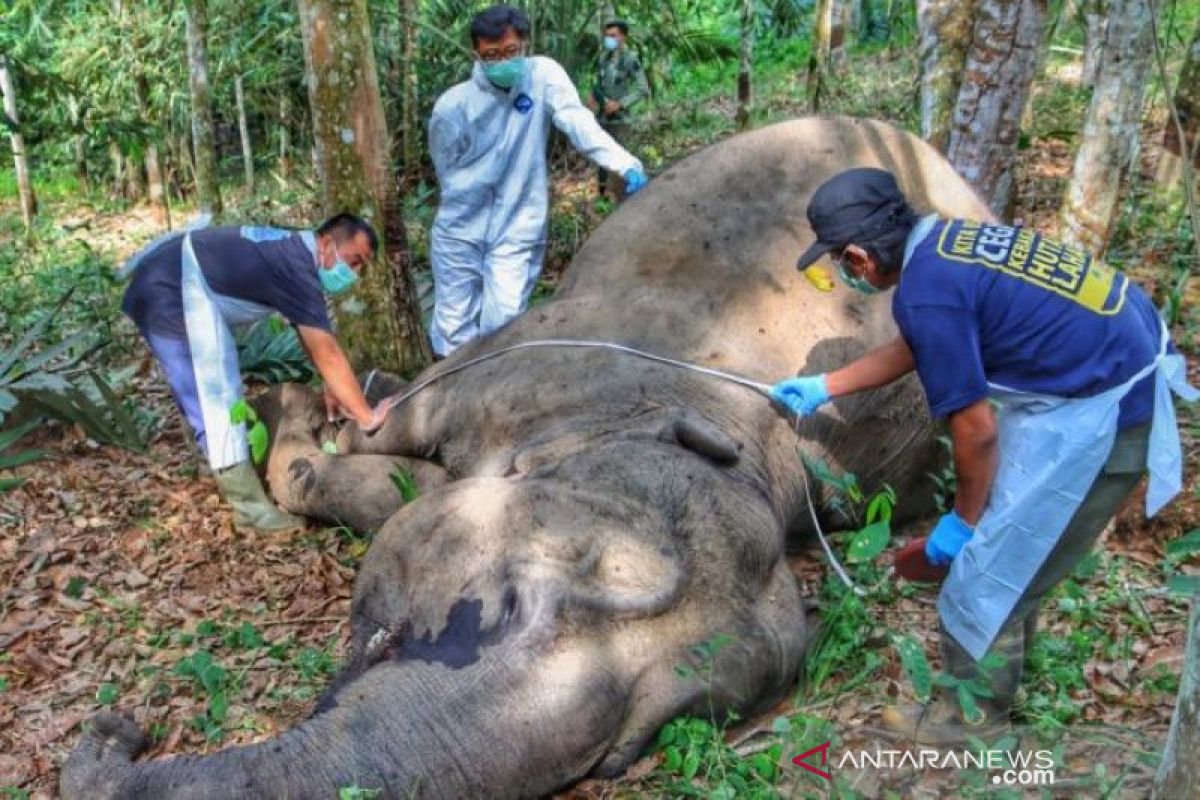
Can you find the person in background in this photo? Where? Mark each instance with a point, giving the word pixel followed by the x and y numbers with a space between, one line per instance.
pixel 487 138
pixel 1055 374
pixel 186 291
pixel 619 84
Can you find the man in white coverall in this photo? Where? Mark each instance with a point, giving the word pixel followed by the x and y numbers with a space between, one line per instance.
pixel 487 137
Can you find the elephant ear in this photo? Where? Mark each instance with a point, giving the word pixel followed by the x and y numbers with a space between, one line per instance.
pixel 703 438
pixel 624 577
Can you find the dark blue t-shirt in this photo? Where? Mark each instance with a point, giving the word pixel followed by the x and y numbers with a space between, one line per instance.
pixel 980 303
pixel 267 266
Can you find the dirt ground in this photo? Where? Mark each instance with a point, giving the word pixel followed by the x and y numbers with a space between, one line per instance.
pixel 125 586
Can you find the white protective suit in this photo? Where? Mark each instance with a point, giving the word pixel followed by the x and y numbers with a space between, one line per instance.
pixel 489 149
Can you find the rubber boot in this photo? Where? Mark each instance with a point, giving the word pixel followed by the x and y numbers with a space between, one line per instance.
pixel 252 509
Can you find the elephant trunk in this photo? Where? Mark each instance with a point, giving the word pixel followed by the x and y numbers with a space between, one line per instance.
pixel 309 761
pixel 404 728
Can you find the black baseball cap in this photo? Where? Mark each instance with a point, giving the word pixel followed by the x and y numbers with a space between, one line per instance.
pixel 855 206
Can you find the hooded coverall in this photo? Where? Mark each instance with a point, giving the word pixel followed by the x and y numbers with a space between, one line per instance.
pixel 489 149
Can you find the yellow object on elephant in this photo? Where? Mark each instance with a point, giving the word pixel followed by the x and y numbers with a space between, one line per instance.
pixel 820 277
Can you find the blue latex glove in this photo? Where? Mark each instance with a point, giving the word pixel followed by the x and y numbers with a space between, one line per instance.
pixel 634 180
pixel 948 537
pixel 802 395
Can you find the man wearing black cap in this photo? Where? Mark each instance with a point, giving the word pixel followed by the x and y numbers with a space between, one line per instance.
pixel 1075 358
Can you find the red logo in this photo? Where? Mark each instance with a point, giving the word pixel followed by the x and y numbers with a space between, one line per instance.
pixel 801 760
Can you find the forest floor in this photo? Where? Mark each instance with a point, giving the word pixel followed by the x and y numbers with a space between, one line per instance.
pixel 125 586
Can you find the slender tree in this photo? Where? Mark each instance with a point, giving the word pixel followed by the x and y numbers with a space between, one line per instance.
pixel 745 94
pixel 285 134
pixel 945 34
pixel 352 147
pixel 1179 769
pixel 1182 141
pixel 208 191
pixel 818 61
pixel 1110 130
pixel 78 142
pixel 239 96
pixel 410 132
pixel 1095 19
pixel 155 183
pixel 999 69
pixel 20 156
pixel 117 161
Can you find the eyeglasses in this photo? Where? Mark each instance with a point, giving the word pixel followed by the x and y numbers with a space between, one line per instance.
pixel 496 56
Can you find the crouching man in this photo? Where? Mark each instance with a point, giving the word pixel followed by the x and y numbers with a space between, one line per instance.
pixel 187 290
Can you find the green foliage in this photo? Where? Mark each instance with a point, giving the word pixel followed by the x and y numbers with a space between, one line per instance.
pixel 107 694
pixel 945 481
pixel 696 749
pixel 357 793
pixel 916 666
pixel 10 459
pixel 211 681
pixel 405 484
pixel 53 380
pixel 257 435
pixel 270 352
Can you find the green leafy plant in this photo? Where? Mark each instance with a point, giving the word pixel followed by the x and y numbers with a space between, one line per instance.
pixel 916 666
pixel 10 458
pixel 55 381
pixel 213 680
pixel 256 435
pixel 405 484
pixel 945 481
pixel 270 352
pixel 696 749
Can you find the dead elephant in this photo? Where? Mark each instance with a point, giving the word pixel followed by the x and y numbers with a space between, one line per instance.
pixel 520 625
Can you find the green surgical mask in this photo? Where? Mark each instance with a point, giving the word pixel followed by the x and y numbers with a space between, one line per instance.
pixel 505 74
pixel 337 278
pixel 855 282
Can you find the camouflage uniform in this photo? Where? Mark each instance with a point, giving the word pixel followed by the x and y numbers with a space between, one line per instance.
pixel 620 77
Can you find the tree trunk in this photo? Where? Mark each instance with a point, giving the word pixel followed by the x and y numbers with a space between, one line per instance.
pixel 1179 770
pixel 1110 130
pixel 999 69
pixel 1187 102
pixel 78 143
pixel 285 134
pixel 845 20
pixel 156 186
pixel 818 62
pixel 944 33
pixel 410 133
pixel 187 162
pixel 208 191
pixel 383 329
pixel 239 94
pixel 118 169
pixel 1095 22
pixel 20 156
pixel 745 67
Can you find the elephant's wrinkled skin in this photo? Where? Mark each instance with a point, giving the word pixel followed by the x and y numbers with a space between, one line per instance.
pixel 520 626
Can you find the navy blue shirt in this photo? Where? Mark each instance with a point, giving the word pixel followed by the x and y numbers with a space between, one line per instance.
pixel 980 303
pixel 268 266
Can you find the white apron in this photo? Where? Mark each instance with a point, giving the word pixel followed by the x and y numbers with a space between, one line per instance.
pixel 1051 451
pixel 207 317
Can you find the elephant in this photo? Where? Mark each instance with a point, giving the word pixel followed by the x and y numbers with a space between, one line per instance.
pixel 599 543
